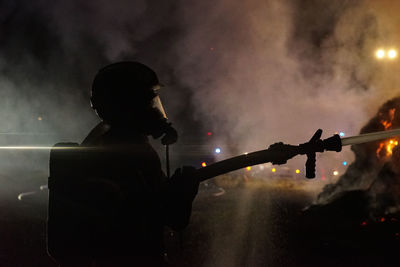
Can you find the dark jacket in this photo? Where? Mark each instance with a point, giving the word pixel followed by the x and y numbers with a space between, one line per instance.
pixel 124 199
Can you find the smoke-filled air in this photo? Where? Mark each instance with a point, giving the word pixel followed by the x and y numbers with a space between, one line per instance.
pixel 238 76
pixel 254 72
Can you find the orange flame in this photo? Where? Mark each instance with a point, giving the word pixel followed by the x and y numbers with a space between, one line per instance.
pixel 388 123
pixel 388 145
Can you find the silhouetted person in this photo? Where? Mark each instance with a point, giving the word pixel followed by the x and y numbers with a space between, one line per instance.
pixel 109 200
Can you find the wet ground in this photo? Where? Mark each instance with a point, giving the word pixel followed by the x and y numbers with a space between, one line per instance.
pixel 254 224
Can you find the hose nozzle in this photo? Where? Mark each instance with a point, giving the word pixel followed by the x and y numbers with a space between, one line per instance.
pixel 316 144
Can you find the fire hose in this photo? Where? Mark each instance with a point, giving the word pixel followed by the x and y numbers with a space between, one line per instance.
pixel 279 153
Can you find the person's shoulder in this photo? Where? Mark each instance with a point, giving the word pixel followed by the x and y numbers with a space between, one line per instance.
pixel 96 134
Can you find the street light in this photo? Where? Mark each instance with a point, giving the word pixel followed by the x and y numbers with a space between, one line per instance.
pixel 380 53
pixel 386 54
pixel 392 54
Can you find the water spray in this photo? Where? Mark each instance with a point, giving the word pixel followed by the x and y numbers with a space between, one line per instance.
pixel 369 137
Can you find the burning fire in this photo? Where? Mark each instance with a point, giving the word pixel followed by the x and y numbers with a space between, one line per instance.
pixel 387 145
pixel 388 123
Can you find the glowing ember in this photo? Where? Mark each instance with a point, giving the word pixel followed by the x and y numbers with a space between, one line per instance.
pixel 386 124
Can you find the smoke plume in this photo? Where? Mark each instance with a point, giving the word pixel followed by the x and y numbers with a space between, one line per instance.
pixel 375 168
pixel 253 72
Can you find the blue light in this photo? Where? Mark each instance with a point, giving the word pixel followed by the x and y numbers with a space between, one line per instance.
pixel 342 134
pixel 344 163
pixel 218 150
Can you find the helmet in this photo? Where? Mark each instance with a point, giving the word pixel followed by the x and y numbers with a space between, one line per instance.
pixel 125 94
pixel 124 89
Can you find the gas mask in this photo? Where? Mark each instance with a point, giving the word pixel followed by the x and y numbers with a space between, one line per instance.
pixel 156 104
pixel 160 126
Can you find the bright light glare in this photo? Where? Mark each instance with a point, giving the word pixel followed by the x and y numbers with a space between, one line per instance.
pixel 218 150
pixel 22 195
pixel 297 171
pixel 273 170
pixel 344 163
pixel 203 164
pixel 342 134
pixel 392 54
pixel 335 173
pixel 380 53
pixel 37 147
pixel 248 168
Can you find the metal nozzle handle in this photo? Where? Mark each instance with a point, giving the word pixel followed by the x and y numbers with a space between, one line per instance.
pixel 317 145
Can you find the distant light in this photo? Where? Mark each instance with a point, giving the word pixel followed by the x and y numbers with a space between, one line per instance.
pixel 380 53
pixel 218 150
pixel 335 173
pixel 40 118
pixel 248 168
pixel 203 164
pixel 342 134
pixel 273 170
pixel 344 163
pixel 22 195
pixel 297 171
pixel 43 187
pixel 209 133
pixel 392 54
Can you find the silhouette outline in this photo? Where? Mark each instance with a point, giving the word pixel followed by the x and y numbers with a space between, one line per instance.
pixel 109 198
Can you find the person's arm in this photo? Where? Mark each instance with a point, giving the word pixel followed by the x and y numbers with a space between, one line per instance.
pixel 179 193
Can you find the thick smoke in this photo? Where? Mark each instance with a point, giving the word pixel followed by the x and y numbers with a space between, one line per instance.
pixel 374 169
pixel 254 72
pixel 276 71
pixel 50 52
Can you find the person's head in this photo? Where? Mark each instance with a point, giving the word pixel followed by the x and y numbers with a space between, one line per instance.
pixel 124 95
